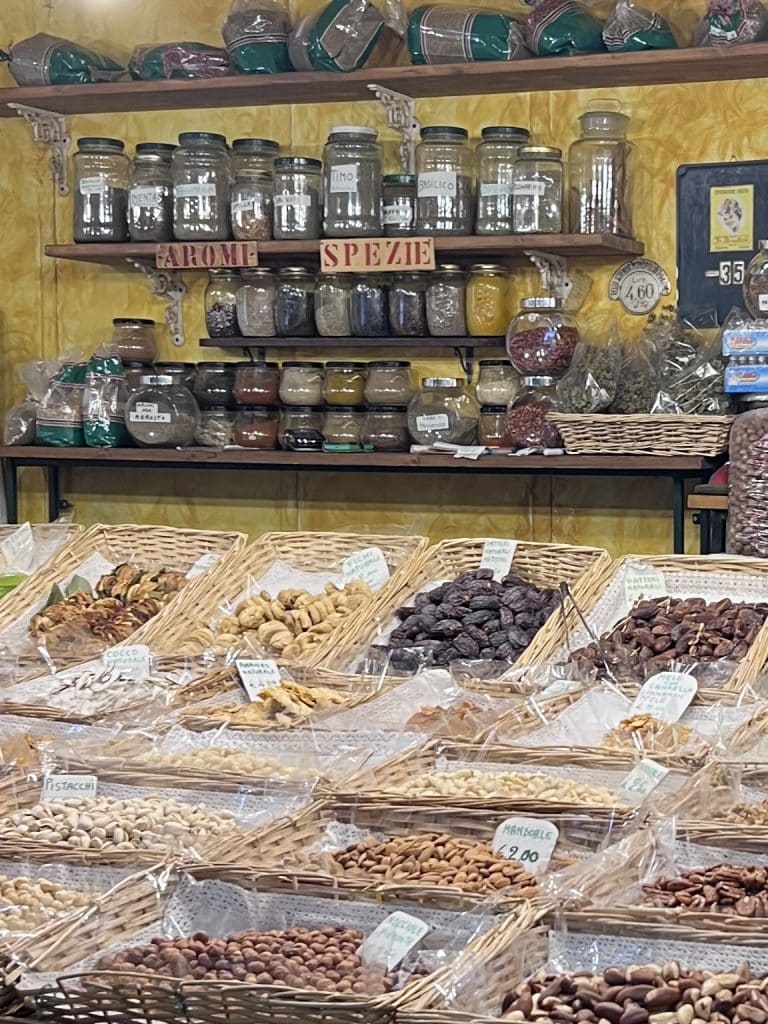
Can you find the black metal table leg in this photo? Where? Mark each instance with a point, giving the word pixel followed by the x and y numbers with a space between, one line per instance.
pixel 720 524
pixel 678 514
pixel 704 516
pixel 11 487
pixel 54 492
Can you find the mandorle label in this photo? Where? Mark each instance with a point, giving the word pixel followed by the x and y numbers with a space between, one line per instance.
pixel 65 787
pixel 432 184
pixel 392 940
pixel 147 197
pixel 368 565
pixel 530 841
pixel 498 555
pixel 642 780
pixel 438 421
pixel 198 191
pixel 131 660
pixel 148 412
pixel 256 675
pixel 95 185
pixel 665 696
pixel 344 178
pixel 529 188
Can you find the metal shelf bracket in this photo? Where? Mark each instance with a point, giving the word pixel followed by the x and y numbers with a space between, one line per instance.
pixel 50 130
pixel 167 285
pixel 553 271
pixel 401 115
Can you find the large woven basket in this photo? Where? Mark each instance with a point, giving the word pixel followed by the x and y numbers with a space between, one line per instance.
pixel 604 434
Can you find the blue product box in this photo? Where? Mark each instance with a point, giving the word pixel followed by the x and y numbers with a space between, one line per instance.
pixel 741 379
pixel 745 341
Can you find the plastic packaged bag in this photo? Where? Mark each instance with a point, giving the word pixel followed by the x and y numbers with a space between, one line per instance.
pixel 453 35
pixel 732 22
pixel 104 402
pixel 20 420
pixel 559 28
pixel 178 60
pixel 690 370
pixel 60 413
pixel 637 385
pixel 341 37
pixel 49 60
pixel 747 526
pixel 632 27
pixel 256 36
pixel 591 382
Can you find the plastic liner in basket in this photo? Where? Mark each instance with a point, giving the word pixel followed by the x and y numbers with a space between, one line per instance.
pixel 256 36
pixel 559 28
pixel 152 62
pixel 439 34
pixel 339 37
pixel 633 27
pixel 50 60
pixel 732 22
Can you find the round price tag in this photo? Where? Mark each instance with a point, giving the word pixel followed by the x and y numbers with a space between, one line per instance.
pixel 638 286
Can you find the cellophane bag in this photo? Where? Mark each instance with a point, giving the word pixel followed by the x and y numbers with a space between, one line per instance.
pixel 340 37
pixel 637 384
pixel 559 28
pixel 732 22
pixel 591 383
pixel 20 420
pixel 60 413
pixel 178 60
pixel 438 34
pixel 633 27
pixel 256 36
pixel 104 401
pixel 49 60
pixel 747 524
pixel 690 368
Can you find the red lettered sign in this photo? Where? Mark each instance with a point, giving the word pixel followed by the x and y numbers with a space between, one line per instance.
pixel 206 255
pixel 355 255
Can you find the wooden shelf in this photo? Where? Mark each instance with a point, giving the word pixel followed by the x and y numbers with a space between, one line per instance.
pixel 334 343
pixel 470 246
pixel 541 74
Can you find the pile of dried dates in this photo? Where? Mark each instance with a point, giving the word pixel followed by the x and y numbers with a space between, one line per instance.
pixel 668 629
pixel 474 617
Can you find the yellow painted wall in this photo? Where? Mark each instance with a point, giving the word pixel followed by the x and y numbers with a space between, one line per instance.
pixel 48 306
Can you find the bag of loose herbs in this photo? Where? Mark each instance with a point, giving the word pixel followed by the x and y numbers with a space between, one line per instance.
pixel 690 366
pixel 256 36
pixel 341 37
pixel 49 60
pixel 559 28
pixel 104 402
pixel 632 27
pixel 731 22
pixel 60 413
pixel 454 35
pixel 592 379
pixel 152 63
pixel 637 383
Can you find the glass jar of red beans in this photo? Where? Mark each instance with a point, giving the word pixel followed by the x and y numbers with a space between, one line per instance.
pixel 527 424
pixel 542 338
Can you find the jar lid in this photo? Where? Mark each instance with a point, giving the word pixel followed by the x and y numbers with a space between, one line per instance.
pixel 399 179
pixel 353 129
pixel 133 364
pixel 495 362
pixel 223 272
pixel 156 379
pixel 216 408
pixel 209 138
pixel 388 362
pixel 258 364
pixel 440 382
pixel 344 408
pixel 255 145
pixel 509 133
pixel 539 302
pixel 604 121
pixel 543 152
pixel 488 268
pixel 387 408
pixel 156 148
pixel 449 268
pixel 342 365
pixel 302 362
pixel 257 272
pixel 493 408
pixel 121 320
pixel 94 141
pixel 296 272
pixel 444 129
pixel 303 408
pixel 175 366
pixel 540 381
pixel 287 163
pixel 257 178
pixel 214 366
pixel 259 411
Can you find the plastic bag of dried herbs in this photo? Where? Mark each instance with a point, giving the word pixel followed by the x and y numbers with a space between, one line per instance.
pixel 256 36
pixel 49 60
pixel 341 37
pixel 559 28
pixel 591 382
pixel 60 413
pixel 104 402
pixel 731 22
pixel 632 27
pixel 690 367
pixel 458 35
pixel 637 385
pixel 20 420
pixel 178 60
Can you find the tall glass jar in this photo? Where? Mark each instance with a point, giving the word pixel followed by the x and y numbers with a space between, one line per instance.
pixel 352 174
pixel 214 382
pixel 102 171
pixel 446 302
pixel 161 414
pixel 445 182
pixel 408 305
pixel 542 338
pixel 201 184
pixel 527 423
pixel 492 426
pixel 747 530
pixel 368 313
pixel 389 382
pixel 150 199
pixel 444 410
pixel 256 302
pixel 298 198
pixel 295 303
pixel 488 300
pixel 221 304
pixel 332 306
pixel 399 213
pixel 538 190
pixel 600 199
pixel 495 157
pixel 251 208
pixel 497 382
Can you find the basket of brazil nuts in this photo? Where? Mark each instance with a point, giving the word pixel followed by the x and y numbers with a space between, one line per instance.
pixel 292 596
pixel 640 434
pixel 645 614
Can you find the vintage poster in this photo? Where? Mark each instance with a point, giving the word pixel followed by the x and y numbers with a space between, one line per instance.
pixel 731 218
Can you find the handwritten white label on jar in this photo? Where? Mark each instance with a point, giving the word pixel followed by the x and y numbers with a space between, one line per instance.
pixel 93 186
pixel 400 215
pixel 641 781
pixel 394 938
pixel 18 548
pixel 495 188
pixel 147 198
pixel 198 191
pixel 257 675
pixel 203 564
pixel 293 199
pixel 437 183
pixel 148 412
pixel 529 188
pixel 344 178
pixel 530 841
pixel 439 421
pixel 643 585
pixel 243 205
pixel 63 787
pixel 498 555
pixel 763 303
pixel 131 660
pixel 368 565
pixel 665 696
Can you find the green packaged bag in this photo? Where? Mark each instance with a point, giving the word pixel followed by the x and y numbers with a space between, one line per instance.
pixel 256 36
pixel 731 22
pixel 60 413
pixel 455 35
pixel 631 27
pixel 340 38
pixel 178 60
pixel 104 402
pixel 559 28
pixel 49 60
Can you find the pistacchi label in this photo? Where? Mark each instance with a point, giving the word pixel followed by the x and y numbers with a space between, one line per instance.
pixel 392 940
pixel 531 841
pixel 65 787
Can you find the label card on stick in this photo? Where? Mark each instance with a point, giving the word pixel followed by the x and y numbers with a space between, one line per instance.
pixel 131 660
pixel 641 781
pixel 642 585
pixel 257 675
pixel 65 787
pixel 368 565
pixel 665 696
pixel 498 555
pixel 18 547
pixel 203 564
pixel 530 841
pixel 392 940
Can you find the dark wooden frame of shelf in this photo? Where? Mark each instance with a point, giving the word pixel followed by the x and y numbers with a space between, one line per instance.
pixel 317 341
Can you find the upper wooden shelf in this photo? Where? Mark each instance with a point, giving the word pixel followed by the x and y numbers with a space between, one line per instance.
pixel 540 74
pixel 471 246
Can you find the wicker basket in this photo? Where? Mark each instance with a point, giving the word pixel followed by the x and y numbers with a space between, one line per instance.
pixel 702 806
pixel 604 434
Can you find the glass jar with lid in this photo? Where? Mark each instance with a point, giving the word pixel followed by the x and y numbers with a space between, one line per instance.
pixel 101 176
pixel 161 414
pixel 446 302
pixel 301 383
pixel 256 302
pixel 134 338
pixel 251 208
pixel 389 382
pixel 213 384
pixel 352 180
pixel 342 424
pixel 134 371
pixel 445 186
pixel 215 428
pixel 150 196
pixel 542 338
pixel 298 198
pixel 527 424
pixel 221 304
pixel 599 173
pixel 408 305
pixel 332 306
pixel 368 308
pixel 251 157
pixel 444 410
pixel 497 382
pixel 256 427
pixel 256 383
pixel 538 190
pixel 295 302
pixel 755 287
pixel 399 196
pixel 488 300
pixel 385 428
pixel 202 177
pixel 180 373
pixel 344 383
pixel 495 158
pixel 492 426
pixel 301 428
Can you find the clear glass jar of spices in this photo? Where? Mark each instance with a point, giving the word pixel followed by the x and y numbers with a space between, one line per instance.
pixel 221 304
pixel 495 157
pixel 161 414
pixel 755 287
pixel 256 302
pixel 332 306
pixel 102 172
pixel 344 383
pixel 399 213
pixel 213 384
pixel 342 425
pixel 444 410
pixel 202 176
pixel 542 338
pixel 497 382
pixel 352 177
pixel 134 371
pixel 180 373
pixel 298 198
pixel 295 303
pixel 492 426
pixel 301 383
pixel 256 427
pixel 368 314
pixel 527 424
pixel 538 190
pixel 150 196
pixel 256 384
pixel 488 311
pixel 301 428
pixel 385 428
pixel 251 208
pixel 445 182
pixel 599 180
pixel 446 302
pixel 134 338
pixel 408 305
pixel 389 382
pixel 215 428
pixel 251 157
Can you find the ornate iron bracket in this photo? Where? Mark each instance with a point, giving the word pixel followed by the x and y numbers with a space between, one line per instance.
pixel 50 130
pixel 167 285
pixel 553 271
pixel 401 115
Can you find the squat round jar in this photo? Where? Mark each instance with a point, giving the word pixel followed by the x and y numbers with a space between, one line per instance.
pixel 161 414
pixel 368 313
pixel 344 383
pixel 298 198
pixel 399 214
pixel 352 178
pixel 443 411
pixel 385 428
pixel 445 182
pixel 301 428
pixel 101 176
pixel 221 304
pixel 256 427
pixel 213 384
pixel 301 383
pixel 134 339
pixel 527 424
pixel 256 301
pixel 295 303
pixel 342 424
pixel 446 302
pixel 150 198
pixel 408 305
pixel 256 384
pixel 180 373
pixel 542 338
pixel 201 172
pixel 215 428
pixel 332 306
pixel 390 382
